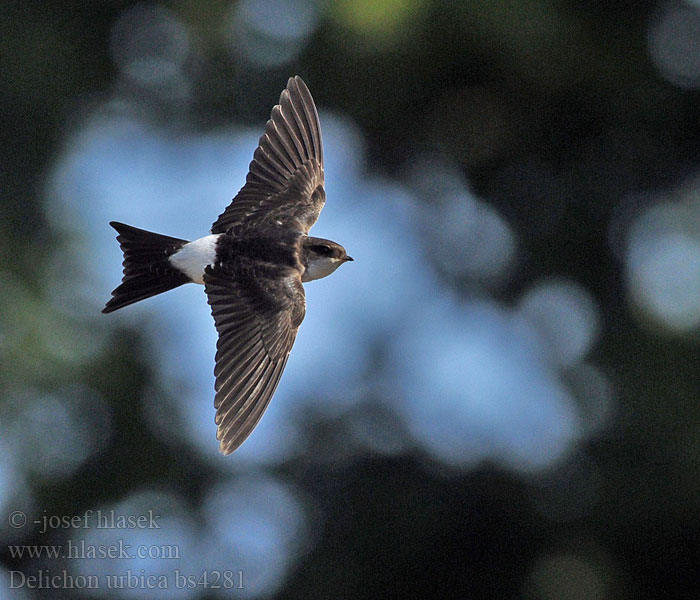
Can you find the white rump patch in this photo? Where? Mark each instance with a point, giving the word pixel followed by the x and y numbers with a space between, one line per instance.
pixel 194 256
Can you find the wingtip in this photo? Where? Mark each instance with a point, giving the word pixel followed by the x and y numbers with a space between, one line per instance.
pixel 298 81
pixel 224 450
pixel 119 227
pixel 109 306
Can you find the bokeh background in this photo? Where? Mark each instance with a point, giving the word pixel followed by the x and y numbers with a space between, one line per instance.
pixel 498 399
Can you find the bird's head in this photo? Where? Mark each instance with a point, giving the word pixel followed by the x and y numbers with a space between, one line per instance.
pixel 322 257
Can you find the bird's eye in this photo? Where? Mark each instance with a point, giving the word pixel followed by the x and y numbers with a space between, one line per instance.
pixel 323 250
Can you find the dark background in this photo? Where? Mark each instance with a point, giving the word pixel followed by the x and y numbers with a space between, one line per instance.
pixel 571 120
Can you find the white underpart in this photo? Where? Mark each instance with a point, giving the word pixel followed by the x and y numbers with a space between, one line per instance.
pixel 194 256
pixel 320 267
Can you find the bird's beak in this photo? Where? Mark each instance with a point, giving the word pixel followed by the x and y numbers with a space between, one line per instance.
pixel 349 258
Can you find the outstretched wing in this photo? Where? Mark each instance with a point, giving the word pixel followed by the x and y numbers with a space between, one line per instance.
pixel 284 185
pixel 257 315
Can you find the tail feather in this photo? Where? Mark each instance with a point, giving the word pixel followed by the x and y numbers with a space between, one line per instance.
pixel 147 270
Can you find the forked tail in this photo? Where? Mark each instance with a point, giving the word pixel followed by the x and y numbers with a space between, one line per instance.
pixel 147 270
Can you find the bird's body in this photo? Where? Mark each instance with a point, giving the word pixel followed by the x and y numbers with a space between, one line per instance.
pixel 252 264
pixel 273 247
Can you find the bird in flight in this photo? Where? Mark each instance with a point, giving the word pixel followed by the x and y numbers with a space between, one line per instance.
pixel 252 265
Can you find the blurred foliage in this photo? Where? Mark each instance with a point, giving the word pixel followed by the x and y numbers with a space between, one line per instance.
pixel 556 114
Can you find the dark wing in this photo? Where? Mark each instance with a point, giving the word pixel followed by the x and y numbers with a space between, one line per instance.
pixel 284 185
pixel 257 317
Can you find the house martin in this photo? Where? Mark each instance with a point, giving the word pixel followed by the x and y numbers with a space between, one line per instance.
pixel 252 264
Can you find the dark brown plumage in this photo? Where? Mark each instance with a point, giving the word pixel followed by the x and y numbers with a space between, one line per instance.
pixel 252 266
pixel 255 292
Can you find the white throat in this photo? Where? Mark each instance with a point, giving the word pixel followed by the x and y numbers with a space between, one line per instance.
pixel 319 267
